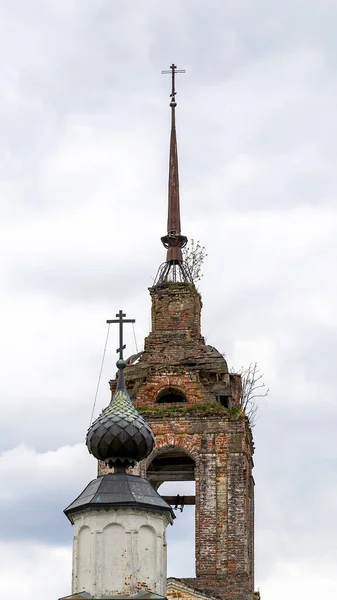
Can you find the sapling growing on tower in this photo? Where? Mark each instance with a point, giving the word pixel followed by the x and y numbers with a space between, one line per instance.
pixel 252 387
pixel 194 255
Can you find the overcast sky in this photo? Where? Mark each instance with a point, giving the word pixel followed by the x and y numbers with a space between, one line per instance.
pixel 84 122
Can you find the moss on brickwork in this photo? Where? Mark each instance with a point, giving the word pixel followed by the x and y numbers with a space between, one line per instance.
pixel 209 408
pixel 179 287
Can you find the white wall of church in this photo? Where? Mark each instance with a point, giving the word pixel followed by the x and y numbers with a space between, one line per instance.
pixel 119 552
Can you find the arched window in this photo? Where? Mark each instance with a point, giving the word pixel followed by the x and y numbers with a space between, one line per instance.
pixel 170 395
pixel 172 470
pixel 170 464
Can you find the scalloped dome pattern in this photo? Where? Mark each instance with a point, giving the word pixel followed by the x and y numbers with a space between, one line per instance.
pixel 120 434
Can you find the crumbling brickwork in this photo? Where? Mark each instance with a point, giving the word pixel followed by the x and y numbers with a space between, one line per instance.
pixel 207 426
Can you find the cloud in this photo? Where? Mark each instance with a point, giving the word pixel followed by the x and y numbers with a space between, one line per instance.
pixel 34 571
pixel 36 487
pixel 83 181
pixel 301 579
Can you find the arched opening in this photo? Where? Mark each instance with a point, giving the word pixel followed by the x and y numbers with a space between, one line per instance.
pixel 170 464
pixel 170 395
pixel 180 537
pixel 172 470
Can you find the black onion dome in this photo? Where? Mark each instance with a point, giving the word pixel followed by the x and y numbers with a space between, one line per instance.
pixel 120 435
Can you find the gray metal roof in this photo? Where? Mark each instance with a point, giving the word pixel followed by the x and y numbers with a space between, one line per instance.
pixel 119 490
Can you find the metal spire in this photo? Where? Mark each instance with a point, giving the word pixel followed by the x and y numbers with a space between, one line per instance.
pixel 173 269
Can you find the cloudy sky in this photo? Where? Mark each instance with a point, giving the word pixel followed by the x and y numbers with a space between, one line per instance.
pixel 84 123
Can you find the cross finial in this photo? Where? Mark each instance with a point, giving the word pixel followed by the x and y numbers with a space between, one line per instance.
pixel 174 241
pixel 173 70
pixel 121 322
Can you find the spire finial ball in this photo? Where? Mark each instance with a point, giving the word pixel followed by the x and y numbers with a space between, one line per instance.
pixel 121 364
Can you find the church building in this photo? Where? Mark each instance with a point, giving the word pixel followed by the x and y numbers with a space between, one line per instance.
pixel 175 415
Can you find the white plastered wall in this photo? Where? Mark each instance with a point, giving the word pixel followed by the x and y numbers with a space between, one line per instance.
pixel 119 552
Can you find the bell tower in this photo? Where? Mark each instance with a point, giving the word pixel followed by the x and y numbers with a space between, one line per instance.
pixel 183 388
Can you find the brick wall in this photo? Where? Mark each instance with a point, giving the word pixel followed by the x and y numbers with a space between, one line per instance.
pixel 218 438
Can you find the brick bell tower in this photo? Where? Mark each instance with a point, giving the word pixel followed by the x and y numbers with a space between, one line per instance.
pixel 182 386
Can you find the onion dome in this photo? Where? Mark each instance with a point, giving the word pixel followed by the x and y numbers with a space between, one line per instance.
pixel 120 436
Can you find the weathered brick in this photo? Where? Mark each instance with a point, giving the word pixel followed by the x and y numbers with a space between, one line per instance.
pixel 218 439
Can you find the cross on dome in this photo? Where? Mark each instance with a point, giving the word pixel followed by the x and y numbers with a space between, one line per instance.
pixel 121 322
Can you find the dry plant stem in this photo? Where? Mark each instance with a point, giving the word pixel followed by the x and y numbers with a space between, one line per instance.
pixel 194 255
pixel 253 387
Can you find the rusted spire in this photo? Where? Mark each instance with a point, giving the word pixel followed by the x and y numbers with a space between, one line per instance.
pixel 173 241
pixel 173 219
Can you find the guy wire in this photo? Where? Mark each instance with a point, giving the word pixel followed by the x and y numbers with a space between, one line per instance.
pixel 100 374
pixel 134 337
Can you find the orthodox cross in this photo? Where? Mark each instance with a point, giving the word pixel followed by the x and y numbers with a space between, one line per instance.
pixel 121 322
pixel 173 70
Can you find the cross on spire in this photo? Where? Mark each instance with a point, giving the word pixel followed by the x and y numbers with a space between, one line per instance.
pixel 174 241
pixel 121 322
pixel 173 70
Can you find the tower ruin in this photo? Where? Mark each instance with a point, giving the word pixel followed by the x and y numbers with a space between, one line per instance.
pixel 183 388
